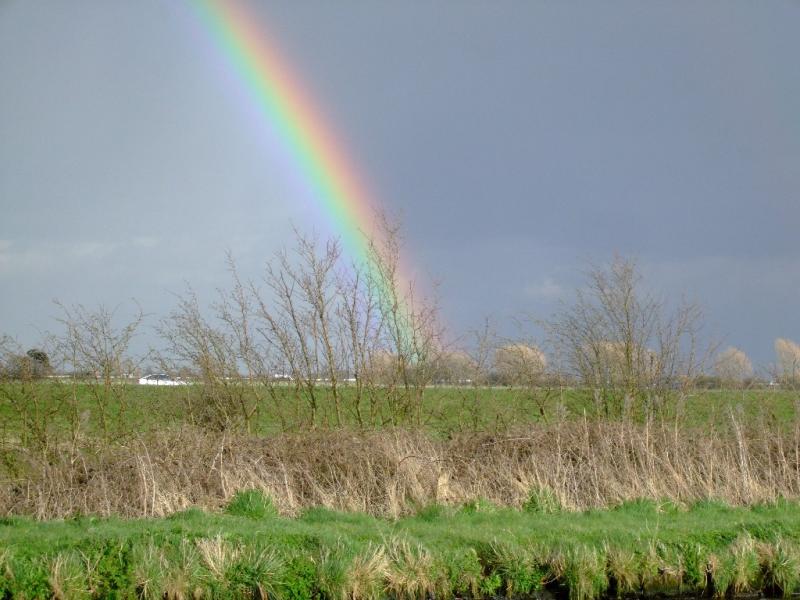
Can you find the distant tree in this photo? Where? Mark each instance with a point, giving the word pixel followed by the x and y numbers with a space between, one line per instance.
pixel 40 362
pixel 18 367
pixel 34 364
pixel 454 366
pixel 733 367
pixel 40 356
pixel 787 354
pixel 519 364
pixel 381 367
pixel 612 366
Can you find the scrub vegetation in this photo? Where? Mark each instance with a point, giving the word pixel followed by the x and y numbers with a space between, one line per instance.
pixel 326 441
pixel 392 472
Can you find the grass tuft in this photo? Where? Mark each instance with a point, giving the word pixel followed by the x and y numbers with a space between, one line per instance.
pixel 582 569
pixel 366 575
pixel 542 499
pixel 252 504
pixel 623 570
pixel 68 576
pixel 519 568
pixel 413 573
pixel 780 563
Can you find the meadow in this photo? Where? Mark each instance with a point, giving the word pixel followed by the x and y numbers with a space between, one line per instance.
pixel 127 409
pixel 123 490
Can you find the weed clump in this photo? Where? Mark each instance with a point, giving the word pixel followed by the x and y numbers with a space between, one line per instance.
pixel 463 572
pixel 479 505
pixel 542 500
pixel 68 576
pixel 582 569
pixel 252 504
pixel 519 568
pixel 780 563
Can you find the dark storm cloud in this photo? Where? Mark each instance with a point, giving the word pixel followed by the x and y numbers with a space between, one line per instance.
pixel 517 139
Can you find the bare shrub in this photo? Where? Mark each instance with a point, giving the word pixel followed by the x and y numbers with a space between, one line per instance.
pixel 412 332
pixel 477 363
pixel 623 343
pixel 360 327
pixel 580 464
pixel 238 310
pixel 213 352
pixel 298 319
pixel 348 334
pixel 33 407
pixel 96 349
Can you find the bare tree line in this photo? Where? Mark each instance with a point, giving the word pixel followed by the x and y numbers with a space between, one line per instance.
pixel 317 325
pixel 357 336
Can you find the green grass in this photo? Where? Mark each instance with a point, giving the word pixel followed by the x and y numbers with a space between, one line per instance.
pixel 641 547
pixel 136 409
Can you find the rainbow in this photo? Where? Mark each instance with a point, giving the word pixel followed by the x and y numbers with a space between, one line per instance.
pixel 281 100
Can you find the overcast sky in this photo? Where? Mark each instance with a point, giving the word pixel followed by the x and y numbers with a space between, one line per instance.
pixel 517 140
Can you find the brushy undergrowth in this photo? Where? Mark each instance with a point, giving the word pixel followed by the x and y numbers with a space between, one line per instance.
pixel 545 469
pixel 248 551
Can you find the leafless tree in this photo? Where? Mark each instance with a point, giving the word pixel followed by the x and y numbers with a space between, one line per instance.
pixel 237 308
pixel 412 332
pixel 298 320
pixel 360 328
pixel 213 351
pixel 623 343
pixel 97 350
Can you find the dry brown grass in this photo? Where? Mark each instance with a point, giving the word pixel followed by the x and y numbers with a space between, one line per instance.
pixel 591 464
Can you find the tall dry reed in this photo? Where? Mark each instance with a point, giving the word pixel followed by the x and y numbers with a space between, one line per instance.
pixel 393 472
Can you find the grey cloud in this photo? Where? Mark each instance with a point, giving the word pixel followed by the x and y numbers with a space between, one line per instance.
pixel 517 139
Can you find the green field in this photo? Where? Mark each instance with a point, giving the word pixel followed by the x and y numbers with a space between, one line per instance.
pixel 476 550
pixel 131 409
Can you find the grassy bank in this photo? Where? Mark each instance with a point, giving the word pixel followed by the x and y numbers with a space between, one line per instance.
pixel 476 550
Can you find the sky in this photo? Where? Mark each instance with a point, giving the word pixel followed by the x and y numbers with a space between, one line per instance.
pixel 517 141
